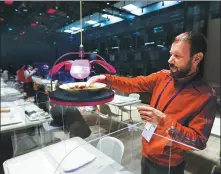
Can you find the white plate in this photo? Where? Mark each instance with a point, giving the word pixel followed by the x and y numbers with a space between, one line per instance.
pixel 96 86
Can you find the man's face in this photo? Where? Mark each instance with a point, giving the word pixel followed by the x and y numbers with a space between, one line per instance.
pixel 30 67
pixel 180 62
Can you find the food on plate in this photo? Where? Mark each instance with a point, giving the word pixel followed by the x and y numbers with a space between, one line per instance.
pixel 82 87
pixel 79 86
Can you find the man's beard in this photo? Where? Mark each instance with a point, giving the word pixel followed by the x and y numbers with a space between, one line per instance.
pixel 180 73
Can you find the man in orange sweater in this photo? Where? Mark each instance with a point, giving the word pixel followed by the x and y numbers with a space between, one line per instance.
pixel 182 106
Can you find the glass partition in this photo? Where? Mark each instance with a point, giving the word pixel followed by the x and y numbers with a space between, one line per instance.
pixel 92 139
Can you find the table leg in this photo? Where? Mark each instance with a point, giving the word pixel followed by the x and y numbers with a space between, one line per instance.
pixel 130 115
pixel 15 140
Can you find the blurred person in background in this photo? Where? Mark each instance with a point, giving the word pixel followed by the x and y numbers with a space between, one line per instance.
pixel 28 85
pixel 11 71
pixel 20 74
pixel 71 119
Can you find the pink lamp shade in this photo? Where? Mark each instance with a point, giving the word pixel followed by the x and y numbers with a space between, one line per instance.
pixel 80 69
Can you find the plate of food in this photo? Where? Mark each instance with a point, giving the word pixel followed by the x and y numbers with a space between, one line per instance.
pixel 79 86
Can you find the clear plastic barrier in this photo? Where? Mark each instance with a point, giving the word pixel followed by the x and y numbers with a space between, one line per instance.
pixel 92 139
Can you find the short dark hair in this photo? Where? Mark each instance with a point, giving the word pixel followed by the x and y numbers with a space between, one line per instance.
pixel 197 41
pixel 21 66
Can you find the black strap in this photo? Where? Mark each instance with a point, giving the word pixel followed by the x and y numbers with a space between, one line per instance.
pixel 173 97
pixel 162 93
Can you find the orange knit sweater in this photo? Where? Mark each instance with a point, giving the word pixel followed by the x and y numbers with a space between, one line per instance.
pixel 189 116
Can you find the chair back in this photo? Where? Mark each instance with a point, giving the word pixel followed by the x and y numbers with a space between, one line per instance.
pixel 112 147
pixel 135 96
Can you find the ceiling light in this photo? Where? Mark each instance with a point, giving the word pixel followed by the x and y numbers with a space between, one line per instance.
pixel 8 2
pixel 51 11
pixel 40 14
pixel 160 45
pixel 77 31
pixel 107 16
pixel 103 9
pixel 10 29
pixel 130 7
pixel 68 31
pixel 16 9
pixel 139 11
pixel 149 43
pixel 37 22
pixel 67 16
pixel 74 28
pixel 108 3
pixel 33 24
pixel 91 22
pixel 96 25
pixel 25 10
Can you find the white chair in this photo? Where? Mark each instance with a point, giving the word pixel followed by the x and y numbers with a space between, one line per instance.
pixel 130 108
pixel 47 133
pixel 106 113
pixel 112 147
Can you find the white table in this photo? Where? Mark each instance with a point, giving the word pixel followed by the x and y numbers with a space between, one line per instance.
pixel 45 82
pixel 16 117
pixel 121 101
pixel 216 127
pixel 18 113
pixel 46 160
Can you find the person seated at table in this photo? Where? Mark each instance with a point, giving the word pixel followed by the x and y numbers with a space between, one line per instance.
pixel 28 85
pixel 41 98
pixel 11 71
pixel 70 116
pixel 20 74
pixel 72 119
pixel 5 75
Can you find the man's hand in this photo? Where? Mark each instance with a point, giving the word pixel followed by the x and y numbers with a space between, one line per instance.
pixel 98 78
pixel 150 114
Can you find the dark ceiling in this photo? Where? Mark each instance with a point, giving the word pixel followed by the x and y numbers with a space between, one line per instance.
pixel 19 17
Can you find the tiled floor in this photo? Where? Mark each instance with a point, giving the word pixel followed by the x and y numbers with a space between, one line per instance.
pixel 200 162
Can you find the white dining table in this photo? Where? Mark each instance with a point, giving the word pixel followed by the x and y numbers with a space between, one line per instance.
pixel 121 101
pixel 17 119
pixel 48 160
pixel 216 127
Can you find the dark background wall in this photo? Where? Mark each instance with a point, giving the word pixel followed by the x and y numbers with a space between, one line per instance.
pixel 36 47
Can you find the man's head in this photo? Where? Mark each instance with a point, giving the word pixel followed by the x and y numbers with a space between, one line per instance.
pixel 30 67
pixel 22 66
pixel 187 50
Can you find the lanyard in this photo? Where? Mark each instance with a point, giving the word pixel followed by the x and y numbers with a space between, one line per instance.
pixel 172 98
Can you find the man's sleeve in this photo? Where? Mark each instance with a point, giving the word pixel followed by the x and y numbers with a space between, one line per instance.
pixel 136 84
pixel 28 74
pixel 197 133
